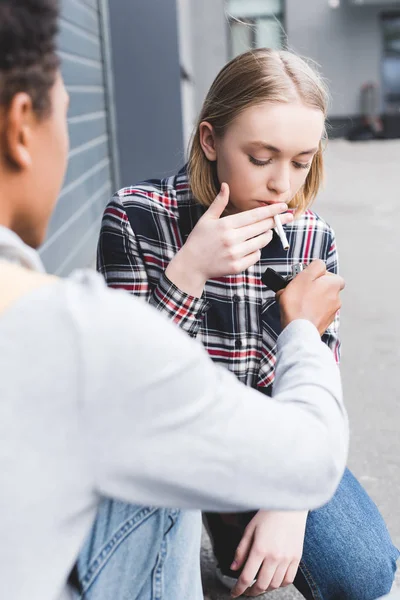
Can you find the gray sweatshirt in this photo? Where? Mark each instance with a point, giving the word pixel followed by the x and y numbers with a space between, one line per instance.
pixel 102 396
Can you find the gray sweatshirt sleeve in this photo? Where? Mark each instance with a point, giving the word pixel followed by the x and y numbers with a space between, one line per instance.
pixel 167 427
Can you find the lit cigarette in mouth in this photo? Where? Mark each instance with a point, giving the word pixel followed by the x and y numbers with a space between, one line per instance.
pixel 279 230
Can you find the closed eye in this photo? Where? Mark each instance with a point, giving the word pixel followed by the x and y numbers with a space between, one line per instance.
pixel 298 165
pixel 259 163
pixel 264 163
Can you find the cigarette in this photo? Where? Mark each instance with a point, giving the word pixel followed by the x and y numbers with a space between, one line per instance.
pixel 279 230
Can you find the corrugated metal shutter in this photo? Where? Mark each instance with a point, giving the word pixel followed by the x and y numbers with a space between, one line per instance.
pixel 91 175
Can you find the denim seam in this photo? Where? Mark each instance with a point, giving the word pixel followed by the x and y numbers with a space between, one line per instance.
pixel 173 515
pixel 308 577
pixel 158 572
pixel 110 547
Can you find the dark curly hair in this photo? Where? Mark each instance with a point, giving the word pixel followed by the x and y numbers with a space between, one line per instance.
pixel 28 58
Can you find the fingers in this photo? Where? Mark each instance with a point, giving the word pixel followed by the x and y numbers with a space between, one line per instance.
pixel 264 578
pixel 341 281
pixel 254 244
pixel 248 575
pixel 248 261
pixel 332 279
pixel 291 573
pixel 249 217
pixel 250 231
pixel 272 577
pixel 316 269
pixel 332 285
pixel 220 203
pixel 269 580
pixel 277 580
pixel 242 551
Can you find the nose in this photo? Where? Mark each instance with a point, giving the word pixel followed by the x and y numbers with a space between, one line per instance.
pixel 279 180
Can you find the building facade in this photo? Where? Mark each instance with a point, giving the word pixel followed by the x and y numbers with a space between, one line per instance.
pixel 93 161
pixel 137 72
pixel 356 43
pixel 121 66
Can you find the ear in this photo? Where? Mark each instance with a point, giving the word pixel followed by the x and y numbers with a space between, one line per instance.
pixel 18 130
pixel 207 140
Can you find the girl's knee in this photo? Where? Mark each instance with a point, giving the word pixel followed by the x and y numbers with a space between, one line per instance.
pixel 371 577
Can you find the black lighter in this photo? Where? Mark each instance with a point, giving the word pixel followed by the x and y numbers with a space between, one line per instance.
pixel 276 282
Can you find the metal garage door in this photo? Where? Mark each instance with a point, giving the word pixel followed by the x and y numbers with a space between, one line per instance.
pixel 92 173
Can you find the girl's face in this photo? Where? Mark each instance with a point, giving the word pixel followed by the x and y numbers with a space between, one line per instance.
pixel 266 152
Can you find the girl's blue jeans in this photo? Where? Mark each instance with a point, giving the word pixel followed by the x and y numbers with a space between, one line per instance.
pixel 142 553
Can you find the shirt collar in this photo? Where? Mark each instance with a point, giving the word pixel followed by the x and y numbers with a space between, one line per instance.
pixel 13 249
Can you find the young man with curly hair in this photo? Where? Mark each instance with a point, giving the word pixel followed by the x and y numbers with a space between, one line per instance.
pixel 74 429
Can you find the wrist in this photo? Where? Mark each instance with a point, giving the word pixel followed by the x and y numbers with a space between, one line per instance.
pixel 184 275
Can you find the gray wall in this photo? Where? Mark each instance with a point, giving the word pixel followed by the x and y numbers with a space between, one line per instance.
pixel 147 88
pixel 346 42
pixel 210 44
pixel 74 228
pixel 203 44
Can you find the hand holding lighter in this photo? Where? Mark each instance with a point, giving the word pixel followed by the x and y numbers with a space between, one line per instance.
pixel 277 282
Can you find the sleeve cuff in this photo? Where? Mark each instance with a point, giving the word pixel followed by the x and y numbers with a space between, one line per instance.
pixel 300 329
pixel 185 310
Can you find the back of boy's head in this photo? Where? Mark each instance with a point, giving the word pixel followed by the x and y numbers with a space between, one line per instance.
pixel 28 59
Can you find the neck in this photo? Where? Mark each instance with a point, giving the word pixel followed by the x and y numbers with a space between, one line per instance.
pixel 8 204
pixel 13 192
pixel 6 219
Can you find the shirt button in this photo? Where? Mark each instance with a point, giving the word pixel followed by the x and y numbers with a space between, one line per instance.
pixel 199 315
pixel 238 343
pixel 236 298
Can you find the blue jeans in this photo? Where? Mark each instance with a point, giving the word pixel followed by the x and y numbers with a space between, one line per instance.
pixel 348 553
pixel 141 553
pixel 137 553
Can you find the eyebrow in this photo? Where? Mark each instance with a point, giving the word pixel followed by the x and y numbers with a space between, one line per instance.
pixel 277 151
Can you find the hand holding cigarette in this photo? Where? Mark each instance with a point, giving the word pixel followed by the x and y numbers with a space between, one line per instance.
pixel 221 244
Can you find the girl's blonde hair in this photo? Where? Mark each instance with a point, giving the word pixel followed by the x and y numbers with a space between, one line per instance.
pixel 257 76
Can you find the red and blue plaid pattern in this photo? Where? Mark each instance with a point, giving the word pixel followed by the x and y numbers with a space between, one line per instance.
pixel 237 318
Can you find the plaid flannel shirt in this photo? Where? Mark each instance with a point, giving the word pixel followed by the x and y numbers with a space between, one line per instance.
pixel 237 318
